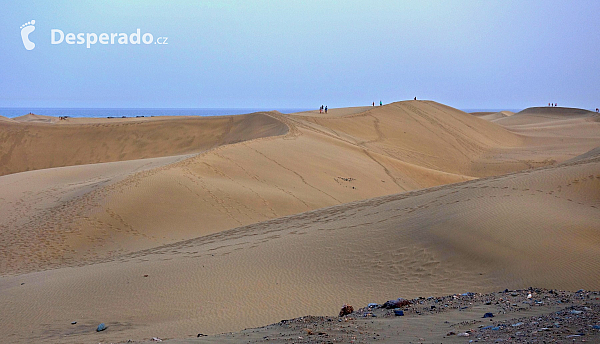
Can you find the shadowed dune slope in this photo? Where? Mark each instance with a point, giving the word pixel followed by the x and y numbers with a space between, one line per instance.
pixel 35 142
pixel 537 227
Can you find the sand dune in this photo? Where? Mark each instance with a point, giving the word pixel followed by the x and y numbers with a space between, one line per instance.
pixel 43 142
pixel 530 228
pixel 550 135
pixel 540 115
pixel 33 118
pixel 242 221
pixel 492 116
pixel 422 133
pixel 320 162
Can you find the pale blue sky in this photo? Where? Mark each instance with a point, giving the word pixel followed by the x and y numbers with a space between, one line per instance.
pixel 282 54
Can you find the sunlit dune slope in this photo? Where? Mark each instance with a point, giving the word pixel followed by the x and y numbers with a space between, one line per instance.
pixel 423 133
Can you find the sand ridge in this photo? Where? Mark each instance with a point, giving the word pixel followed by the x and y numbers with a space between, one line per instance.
pixel 37 142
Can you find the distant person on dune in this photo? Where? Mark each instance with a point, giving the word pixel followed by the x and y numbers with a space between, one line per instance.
pixel 596 109
pixel 325 108
pixel 380 103
pixel 415 98
pixel 373 103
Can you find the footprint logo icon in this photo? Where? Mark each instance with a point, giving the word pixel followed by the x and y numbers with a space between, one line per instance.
pixel 26 29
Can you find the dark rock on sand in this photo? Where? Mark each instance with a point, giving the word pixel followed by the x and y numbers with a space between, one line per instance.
pixel 346 309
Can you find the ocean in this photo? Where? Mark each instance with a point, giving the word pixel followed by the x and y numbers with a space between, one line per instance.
pixel 133 112
pixel 147 112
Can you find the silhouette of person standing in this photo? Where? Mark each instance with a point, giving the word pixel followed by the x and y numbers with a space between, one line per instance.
pixel 380 103
pixel 325 108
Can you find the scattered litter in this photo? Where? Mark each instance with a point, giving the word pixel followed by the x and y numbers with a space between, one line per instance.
pixel 399 302
pixel 101 327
